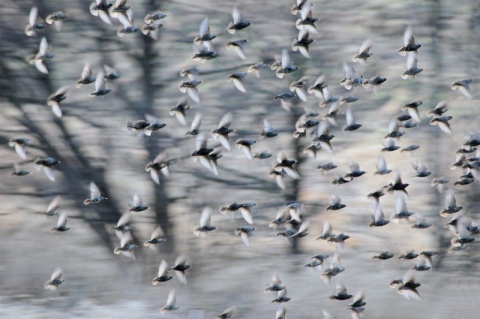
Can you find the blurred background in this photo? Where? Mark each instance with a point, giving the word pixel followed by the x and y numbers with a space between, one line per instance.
pixel 92 143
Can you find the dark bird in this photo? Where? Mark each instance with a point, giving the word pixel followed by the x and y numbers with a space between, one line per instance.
pixel 351 124
pixel 237 79
pixel 323 136
pixel 395 184
pixel 204 33
pixel 161 164
pixel 52 208
pixel 238 23
pixel 381 165
pixel 412 109
pixel 375 196
pixel 55 280
pixel 126 19
pixel 463 87
pixel 281 296
pixel 95 195
pixel 286 66
pixel 202 53
pixel 110 73
pixel 157 237
pixel 341 293
pixel 411 254
pixel 162 274
pixel 358 300
pixel 154 16
pixel 245 210
pixel 255 69
pixel 339 180
pixel 339 240
pixel 268 130
pixel 190 88
pixel 439 183
pixel 122 224
pixel 355 170
pixel 86 77
pixel 401 211
pixel 325 167
pixel 285 100
pixel 275 286
pixel 364 52
pixel 299 86
pixel 100 8
pixel 373 83
pixel 19 144
pixel 204 223
pixel 335 203
pixel 438 110
pixel 421 169
pixel 306 20
pixel 244 232
pixel 34 23
pixel 18 172
pixel 406 286
pixel 61 223
pixel 138 126
pixel 302 42
pixel 56 18
pixel 137 205
pixel 221 131
pixel 54 100
pixel 227 313
pixel 246 147
pixel 421 222
pixel 48 165
pixel 334 269
pixel 286 165
pixel 383 256
pixel 180 267
pixel 318 86
pixel 389 145
pixel 409 44
pixel 412 68
pixel 378 218
pixel 450 206
pixel 171 304
pixel 423 264
pixel 100 88
pixel 42 57
pixel 301 232
pixel 195 125
pixel 351 79
pixel 202 151
pixel 347 99
pixel 394 129
pixel 443 124
pixel 238 46
pixel 151 30
pixel 297 6
pixel 410 148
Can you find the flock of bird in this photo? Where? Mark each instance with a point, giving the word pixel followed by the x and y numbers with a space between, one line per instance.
pixel 312 127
